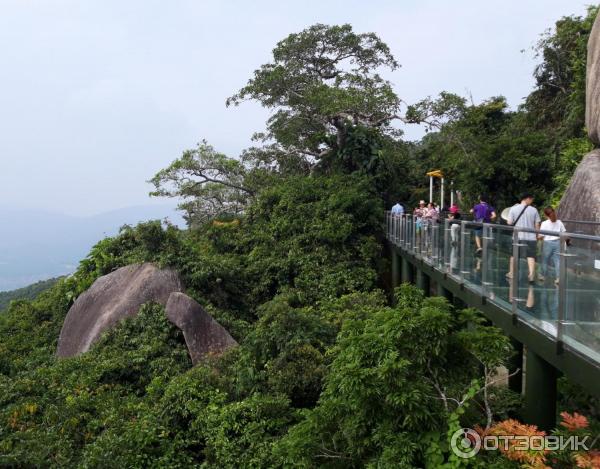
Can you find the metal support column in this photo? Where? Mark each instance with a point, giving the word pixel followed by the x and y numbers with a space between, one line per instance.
pixel 395 269
pixel 422 281
pixel 441 291
pixel 442 195
pixel 515 368
pixel 430 188
pixel 406 271
pixel 540 392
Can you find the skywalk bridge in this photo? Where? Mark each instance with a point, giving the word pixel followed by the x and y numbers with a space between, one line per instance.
pixel 555 327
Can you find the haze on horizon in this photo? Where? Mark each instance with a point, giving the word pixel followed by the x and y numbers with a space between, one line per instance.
pixel 95 97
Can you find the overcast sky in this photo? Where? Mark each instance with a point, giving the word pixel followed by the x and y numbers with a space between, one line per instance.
pixel 98 95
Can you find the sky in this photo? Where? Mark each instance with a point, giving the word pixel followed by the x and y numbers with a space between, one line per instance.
pixel 96 96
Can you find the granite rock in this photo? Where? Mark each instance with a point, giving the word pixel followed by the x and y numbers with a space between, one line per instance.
pixel 203 335
pixel 111 298
pixel 581 200
pixel 592 84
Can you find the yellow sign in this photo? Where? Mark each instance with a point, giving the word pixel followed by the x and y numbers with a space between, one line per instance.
pixel 436 173
pixel 225 223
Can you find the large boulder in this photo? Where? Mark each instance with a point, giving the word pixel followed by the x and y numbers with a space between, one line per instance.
pixel 203 335
pixel 111 298
pixel 581 200
pixel 592 84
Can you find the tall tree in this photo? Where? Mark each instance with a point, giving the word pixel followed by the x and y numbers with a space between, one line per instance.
pixel 321 83
pixel 558 100
pixel 209 183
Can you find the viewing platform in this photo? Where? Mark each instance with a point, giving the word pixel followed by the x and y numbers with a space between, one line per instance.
pixel 556 318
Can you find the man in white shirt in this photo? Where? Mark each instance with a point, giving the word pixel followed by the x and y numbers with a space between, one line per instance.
pixel 551 246
pixel 523 215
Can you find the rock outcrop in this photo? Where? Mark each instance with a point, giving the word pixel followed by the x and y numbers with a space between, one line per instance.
pixel 111 298
pixel 592 84
pixel 203 335
pixel 581 200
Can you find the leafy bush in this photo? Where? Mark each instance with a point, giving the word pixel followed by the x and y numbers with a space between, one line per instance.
pixel 394 379
pixel 55 411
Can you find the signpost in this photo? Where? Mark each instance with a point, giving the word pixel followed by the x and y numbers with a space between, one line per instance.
pixel 436 173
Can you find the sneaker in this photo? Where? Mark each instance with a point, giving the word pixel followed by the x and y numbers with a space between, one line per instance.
pixel 531 278
pixel 556 282
pixel 508 275
pixel 541 278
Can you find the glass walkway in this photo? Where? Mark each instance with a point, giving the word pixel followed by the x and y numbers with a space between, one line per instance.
pixel 564 304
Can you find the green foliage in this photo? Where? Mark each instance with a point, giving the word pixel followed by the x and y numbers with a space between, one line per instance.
pixel 29 330
pixel 29 292
pixel 558 102
pixel 382 394
pixel 209 183
pixel 489 151
pixel 242 434
pixel 571 153
pixel 322 81
pixel 56 411
pixel 284 353
pixel 314 237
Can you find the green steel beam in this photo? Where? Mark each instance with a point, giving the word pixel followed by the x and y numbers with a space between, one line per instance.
pixel 540 392
pixel 441 291
pixel 515 367
pixel 422 280
pixel 407 271
pixel 395 269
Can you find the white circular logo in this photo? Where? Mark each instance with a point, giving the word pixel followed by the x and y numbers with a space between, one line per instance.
pixel 465 443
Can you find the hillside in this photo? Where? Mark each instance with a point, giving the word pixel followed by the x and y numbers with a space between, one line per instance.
pixel 29 292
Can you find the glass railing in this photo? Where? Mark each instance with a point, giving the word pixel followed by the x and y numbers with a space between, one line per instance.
pixel 553 284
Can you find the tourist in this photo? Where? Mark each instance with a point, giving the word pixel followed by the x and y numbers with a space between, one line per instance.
pixel 483 212
pixel 436 208
pixel 523 215
pixel 430 213
pixel 398 209
pixel 428 218
pixel 551 244
pixel 418 213
pixel 455 218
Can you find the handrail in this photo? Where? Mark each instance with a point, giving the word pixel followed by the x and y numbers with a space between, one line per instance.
pixel 568 234
pixel 582 222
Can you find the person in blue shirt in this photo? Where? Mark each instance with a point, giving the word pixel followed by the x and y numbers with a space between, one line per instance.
pixel 398 209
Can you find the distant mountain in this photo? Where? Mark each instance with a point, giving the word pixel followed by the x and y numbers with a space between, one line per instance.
pixel 37 245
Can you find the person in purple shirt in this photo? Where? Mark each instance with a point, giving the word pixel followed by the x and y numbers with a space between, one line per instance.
pixel 483 212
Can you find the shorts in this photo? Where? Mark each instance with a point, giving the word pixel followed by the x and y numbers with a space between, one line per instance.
pixel 478 231
pixel 529 249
